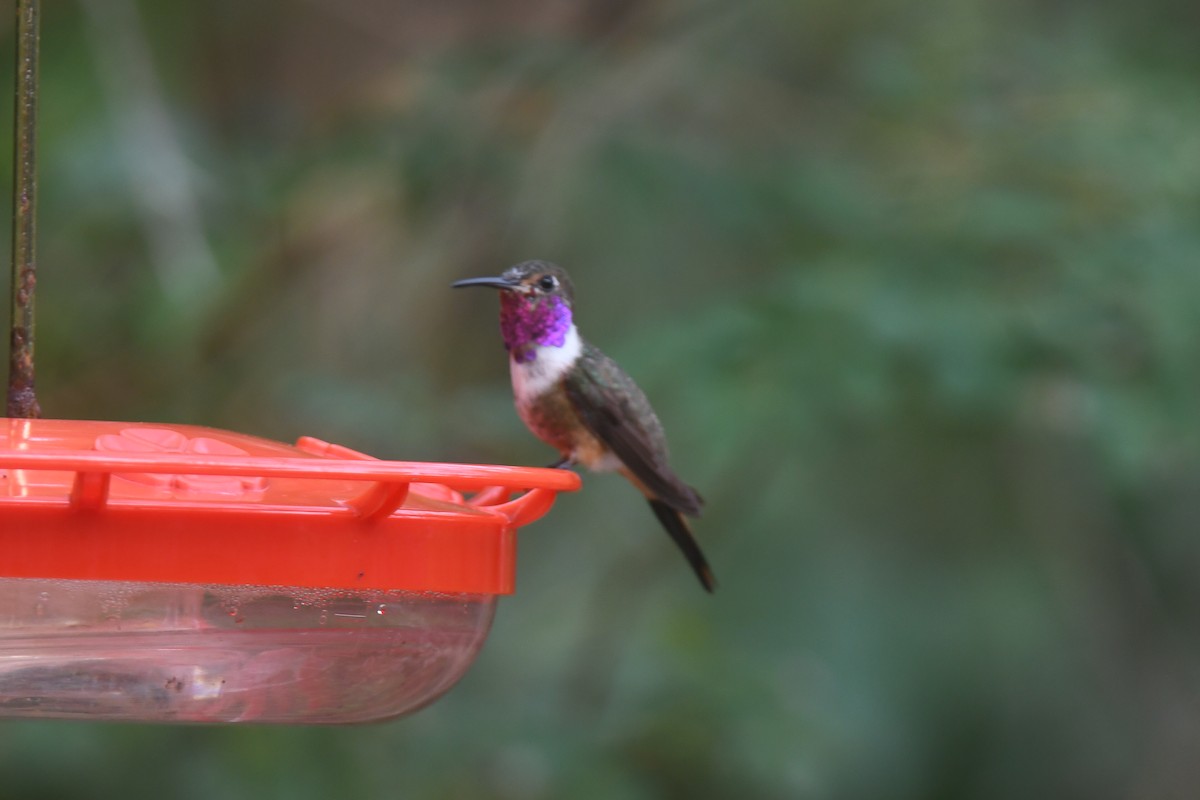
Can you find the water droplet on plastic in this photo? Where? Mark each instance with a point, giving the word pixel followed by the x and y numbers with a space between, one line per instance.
pixel 321 620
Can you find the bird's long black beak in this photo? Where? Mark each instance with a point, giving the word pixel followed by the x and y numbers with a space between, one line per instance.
pixel 495 283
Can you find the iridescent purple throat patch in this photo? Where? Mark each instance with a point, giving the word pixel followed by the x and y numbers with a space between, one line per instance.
pixel 529 323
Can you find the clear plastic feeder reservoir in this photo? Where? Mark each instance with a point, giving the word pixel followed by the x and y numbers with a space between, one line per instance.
pixel 174 573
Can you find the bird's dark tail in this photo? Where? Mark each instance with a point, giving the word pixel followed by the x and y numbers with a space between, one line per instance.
pixel 675 524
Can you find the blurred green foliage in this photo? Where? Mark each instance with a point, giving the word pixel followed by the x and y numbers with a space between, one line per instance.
pixel 914 288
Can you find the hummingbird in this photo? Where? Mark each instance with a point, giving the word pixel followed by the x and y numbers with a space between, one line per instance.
pixel 578 400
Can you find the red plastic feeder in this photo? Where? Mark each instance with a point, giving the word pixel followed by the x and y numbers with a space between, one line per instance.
pixel 178 573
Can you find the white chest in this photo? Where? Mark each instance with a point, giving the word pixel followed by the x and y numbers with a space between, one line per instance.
pixel 533 378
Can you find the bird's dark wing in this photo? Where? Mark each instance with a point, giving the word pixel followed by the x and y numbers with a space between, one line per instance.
pixel 617 413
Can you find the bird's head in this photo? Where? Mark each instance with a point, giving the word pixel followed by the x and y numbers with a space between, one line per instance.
pixel 536 298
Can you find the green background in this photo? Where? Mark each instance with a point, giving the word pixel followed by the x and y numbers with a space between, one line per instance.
pixel 913 287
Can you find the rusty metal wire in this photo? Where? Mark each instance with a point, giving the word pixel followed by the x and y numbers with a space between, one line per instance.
pixel 22 400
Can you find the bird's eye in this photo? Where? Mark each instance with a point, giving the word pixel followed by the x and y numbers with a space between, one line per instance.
pixel 547 283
